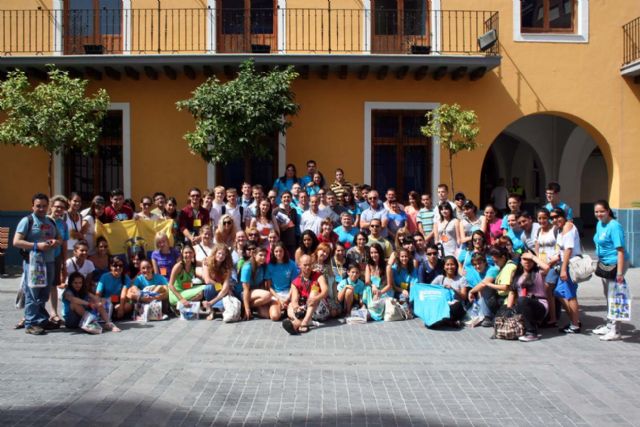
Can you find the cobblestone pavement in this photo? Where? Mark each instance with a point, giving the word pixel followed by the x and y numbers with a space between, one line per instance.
pixel 252 373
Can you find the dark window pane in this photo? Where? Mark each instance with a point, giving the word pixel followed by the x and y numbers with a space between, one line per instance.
pixel 262 17
pixel 110 17
pixel 232 17
pixel 385 166
pixel 561 13
pixel 80 22
pixel 251 169
pixel 386 17
pixel 386 126
pixel 415 18
pixel 411 126
pixel 415 168
pixel 532 14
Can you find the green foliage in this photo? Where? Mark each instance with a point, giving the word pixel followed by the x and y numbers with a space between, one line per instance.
pixel 55 116
pixel 455 129
pixel 235 118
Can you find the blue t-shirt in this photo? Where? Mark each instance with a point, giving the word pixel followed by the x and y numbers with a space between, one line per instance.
pixel 66 304
pixel 142 282
pixel 608 238
pixel 518 245
pixel 63 230
pixel 346 237
pixel 396 220
pixel 402 278
pixel 281 275
pixel 165 262
pixel 245 277
pixel 474 277
pixel 358 287
pixel 466 256
pixel 562 205
pixel 430 302
pixel 109 286
pixel 281 186
pixel 43 229
pixel 354 211
pixel 313 190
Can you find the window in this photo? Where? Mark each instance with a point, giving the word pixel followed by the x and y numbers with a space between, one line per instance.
pixel 554 21
pixel 250 169
pixel 400 153
pixel 93 26
pixel 546 16
pixel 399 24
pixel 246 26
pixel 102 172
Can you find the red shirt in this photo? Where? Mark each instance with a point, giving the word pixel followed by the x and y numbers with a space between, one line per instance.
pixel 110 214
pixel 305 287
pixel 192 220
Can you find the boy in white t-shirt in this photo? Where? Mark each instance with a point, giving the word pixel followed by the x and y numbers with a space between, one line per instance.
pixel 79 262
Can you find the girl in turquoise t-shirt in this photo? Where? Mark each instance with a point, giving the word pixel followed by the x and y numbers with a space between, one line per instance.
pixel 351 290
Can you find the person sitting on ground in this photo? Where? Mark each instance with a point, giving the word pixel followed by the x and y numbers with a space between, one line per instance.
pixel 183 286
pixel 402 274
pixel 322 258
pixel 165 257
pixel 479 277
pixel 149 282
pixel 216 273
pixel 432 267
pixel 113 287
pixel 251 289
pixel 528 294
pixel 280 273
pixel 458 284
pixel 307 294
pixel 351 290
pixel 77 299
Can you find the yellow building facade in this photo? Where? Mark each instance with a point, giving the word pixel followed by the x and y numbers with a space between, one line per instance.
pixel 557 95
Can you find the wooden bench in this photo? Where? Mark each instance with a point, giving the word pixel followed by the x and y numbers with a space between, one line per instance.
pixel 4 245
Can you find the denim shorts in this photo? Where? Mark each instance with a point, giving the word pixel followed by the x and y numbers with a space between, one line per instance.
pixel 552 276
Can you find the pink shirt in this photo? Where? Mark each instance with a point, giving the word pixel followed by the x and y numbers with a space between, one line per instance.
pixel 412 215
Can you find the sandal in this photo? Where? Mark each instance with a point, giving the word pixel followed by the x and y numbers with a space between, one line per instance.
pixel 211 315
pixel 19 325
pixel 288 326
pixel 57 320
pixel 303 329
pixel 111 327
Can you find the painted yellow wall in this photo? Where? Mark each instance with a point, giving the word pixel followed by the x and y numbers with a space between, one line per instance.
pixel 581 82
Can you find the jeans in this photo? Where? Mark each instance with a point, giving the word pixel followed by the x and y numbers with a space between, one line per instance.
pixel 533 312
pixel 35 299
pixel 489 302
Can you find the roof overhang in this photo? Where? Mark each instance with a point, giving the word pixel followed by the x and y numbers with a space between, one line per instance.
pixel 361 66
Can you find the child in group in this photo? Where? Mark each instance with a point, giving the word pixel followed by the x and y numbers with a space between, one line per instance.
pixel 113 286
pixel 148 281
pixel 77 299
pixel 351 290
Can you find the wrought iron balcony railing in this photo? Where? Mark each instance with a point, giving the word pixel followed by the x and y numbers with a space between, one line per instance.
pixel 631 43
pixel 267 31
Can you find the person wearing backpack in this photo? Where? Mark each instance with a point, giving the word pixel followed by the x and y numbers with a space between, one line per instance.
pixel 37 233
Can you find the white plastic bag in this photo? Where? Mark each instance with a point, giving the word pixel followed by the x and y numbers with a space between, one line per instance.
pixel 619 301
pixel 37 270
pixel 148 312
pixel 232 309
pixel 393 311
pixel 189 313
pixel 357 316
pixel 581 267
pixel 89 323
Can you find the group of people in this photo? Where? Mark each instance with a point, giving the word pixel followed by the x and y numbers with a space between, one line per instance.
pixel 306 251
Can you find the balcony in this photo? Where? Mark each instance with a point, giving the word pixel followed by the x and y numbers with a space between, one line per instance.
pixel 444 40
pixel 631 50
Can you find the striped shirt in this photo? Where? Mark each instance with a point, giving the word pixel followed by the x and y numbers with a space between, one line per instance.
pixel 425 217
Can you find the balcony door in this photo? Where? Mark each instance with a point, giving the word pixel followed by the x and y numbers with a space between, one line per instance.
pixel 92 27
pixel 247 26
pixel 398 25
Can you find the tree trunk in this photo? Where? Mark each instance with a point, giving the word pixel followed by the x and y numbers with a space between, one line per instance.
pixel 453 191
pixel 50 174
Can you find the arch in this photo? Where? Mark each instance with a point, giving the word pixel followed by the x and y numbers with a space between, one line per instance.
pixel 576 151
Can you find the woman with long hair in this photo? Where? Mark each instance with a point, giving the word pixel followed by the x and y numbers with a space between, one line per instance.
pixel 95 214
pixel 286 181
pixel 251 289
pixel 216 272
pixel 226 232
pixel 491 224
pixel 74 222
pixel 470 222
pixel 308 245
pixel 264 222
pixel 280 273
pixel 359 253
pixel 451 279
pixel 446 231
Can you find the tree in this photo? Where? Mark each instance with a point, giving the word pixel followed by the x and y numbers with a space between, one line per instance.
pixel 55 116
pixel 237 117
pixel 454 128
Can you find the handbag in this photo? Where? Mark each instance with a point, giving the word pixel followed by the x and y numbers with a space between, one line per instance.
pixel 357 316
pixel 581 268
pixel 508 326
pixel 189 313
pixel 232 309
pixel 376 308
pixel 605 271
pixel 393 311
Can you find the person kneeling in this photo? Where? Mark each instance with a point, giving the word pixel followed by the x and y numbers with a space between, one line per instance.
pixel 307 295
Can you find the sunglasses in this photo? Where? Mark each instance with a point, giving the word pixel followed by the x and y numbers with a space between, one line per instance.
pixel 374 226
pixel 554 216
pixel 146 204
pixel 117 266
pixel 432 253
pixel 227 222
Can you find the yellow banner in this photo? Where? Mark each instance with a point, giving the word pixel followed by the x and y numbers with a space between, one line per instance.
pixel 123 235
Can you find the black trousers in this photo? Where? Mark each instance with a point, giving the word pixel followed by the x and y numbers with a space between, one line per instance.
pixel 533 312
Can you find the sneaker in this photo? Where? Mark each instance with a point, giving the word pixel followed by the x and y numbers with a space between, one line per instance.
pixel 611 336
pixel 602 330
pixel 570 329
pixel 474 321
pixel 165 317
pixel 487 323
pixel 35 330
pixel 528 337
